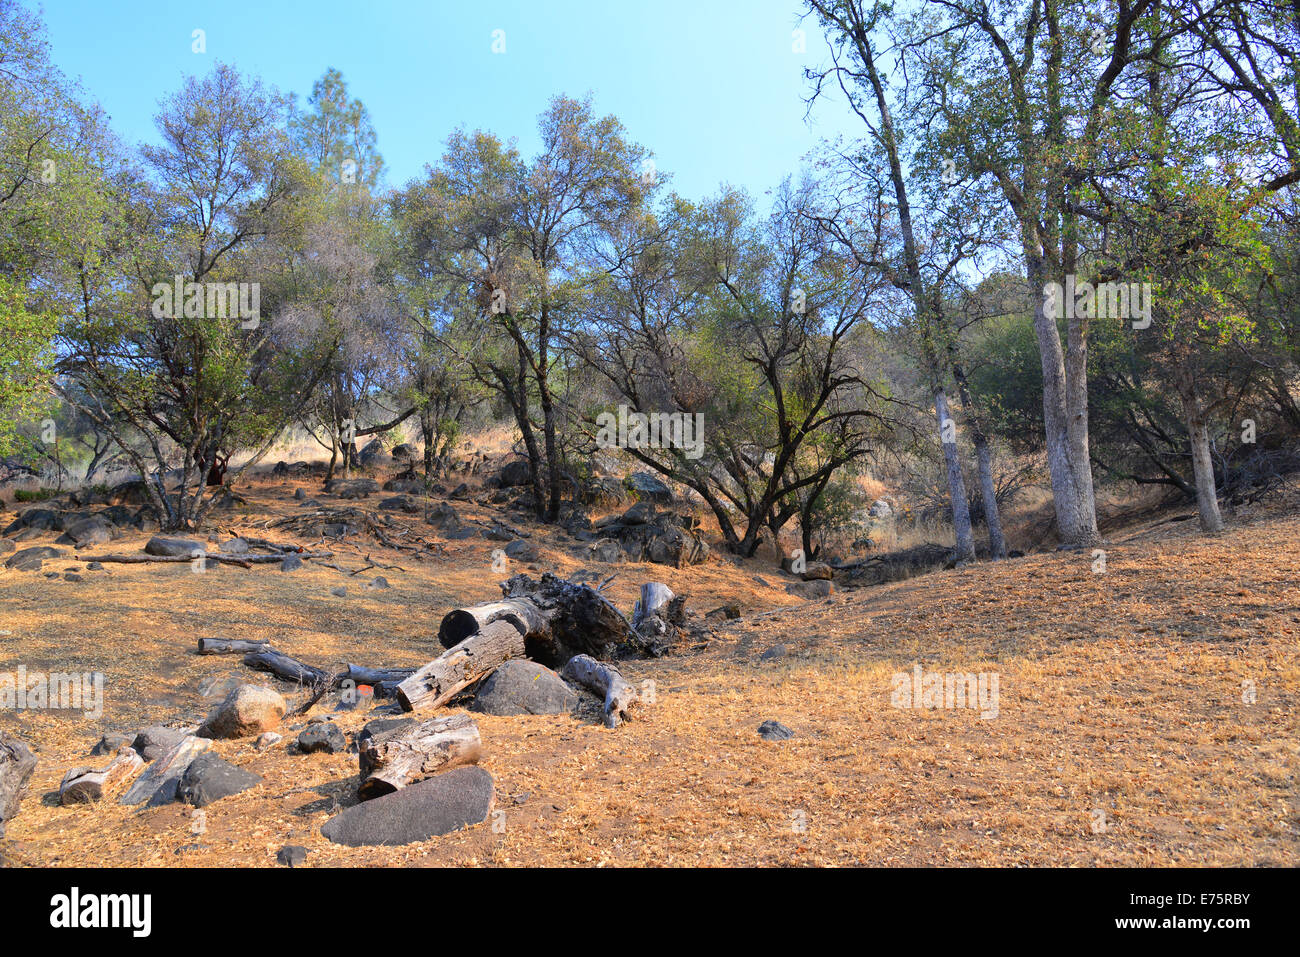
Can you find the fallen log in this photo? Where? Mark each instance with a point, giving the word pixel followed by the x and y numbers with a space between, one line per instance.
pixel 558 618
pixel 605 681
pixel 230 646
pixel 361 675
pixel 403 755
pixel 289 668
pixel 16 765
pixel 459 667
pixel 245 560
pixel 87 785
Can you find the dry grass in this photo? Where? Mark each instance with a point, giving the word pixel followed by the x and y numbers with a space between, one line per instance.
pixel 1119 692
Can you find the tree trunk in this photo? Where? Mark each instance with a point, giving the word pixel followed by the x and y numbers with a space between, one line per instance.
pixel 459 667
pixel 86 785
pixel 1198 430
pixel 983 458
pixel 290 669
pixel 16 765
pixel 956 484
pixel 400 756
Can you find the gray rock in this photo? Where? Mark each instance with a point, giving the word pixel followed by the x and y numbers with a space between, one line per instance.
pixel 209 778
pixel 339 592
pixel 157 785
pixel 438 805
pixel 153 742
pixel 646 488
pixel 174 547
pixel 524 687
pixel 110 743
pixel 30 559
pixel 378 582
pixel 235 546
pixel 84 532
pixel 774 731
pixel 401 503
pixel 776 651
pixel 290 563
pixel 523 551
pixel 811 590
pixel 291 855
pixel 514 474
pixel 324 737
pixel 352 488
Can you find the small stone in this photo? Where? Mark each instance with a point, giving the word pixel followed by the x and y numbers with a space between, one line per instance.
pixel 324 737
pixel 776 651
pixel 268 740
pixel 291 855
pixel 290 563
pixel 110 743
pixel 774 731
pixel 378 582
pixel 339 592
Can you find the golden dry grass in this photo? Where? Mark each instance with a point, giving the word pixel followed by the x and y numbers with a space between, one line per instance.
pixel 1119 692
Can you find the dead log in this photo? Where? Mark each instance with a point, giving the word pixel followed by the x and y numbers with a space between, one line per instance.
pixel 459 667
pixel 289 668
pixel 361 675
pixel 16 765
pixel 459 623
pixel 246 560
pixel 87 785
pixel 403 755
pixel 231 646
pixel 657 618
pixel 605 681
pixel 558 618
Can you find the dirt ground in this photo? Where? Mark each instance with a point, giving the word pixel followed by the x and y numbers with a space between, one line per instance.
pixel 1124 734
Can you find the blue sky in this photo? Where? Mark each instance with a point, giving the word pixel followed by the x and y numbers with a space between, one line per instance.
pixel 713 87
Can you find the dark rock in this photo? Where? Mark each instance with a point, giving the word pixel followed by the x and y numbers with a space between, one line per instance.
pixel 407 486
pixel 811 590
pixel 438 805
pixel 291 855
pixel 401 503
pixel 174 547
pixel 646 488
pixel 72 577
pixel 324 737
pixel 378 582
pixel 153 742
pixel 110 743
pixel 776 651
pixel 522 551
pixel 460 492
pixel 95 567
pixel 524 687
pixel 235 546
pixel 30 559
pixel 817 571
pixel 371 452
pixel 405 451
pixel 352 488
pixel 290 563
pixel 209 778
pixel 774 731
pixel 84 532
pixel 514 474
pixel 444 516
pixel 299 494
pixel 607 551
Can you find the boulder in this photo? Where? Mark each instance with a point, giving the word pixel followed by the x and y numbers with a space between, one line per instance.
pixel 352 488
pixel 811 590
pixel 774 731
pixel 438 805
pixel 248 710
pixel 818 571
pixel 646 488
pixel 406 486
pixel 325 737
pixel 291 855
pixel 371 452
pixel 514 474
pixel 524 687
pixel 405 451
pixel 155 741
pixel 157 785
pixel 401 503
pixel 290 563
pixel 173 547
pixel 208 778
pixel 30 559
pixel 85 532
pixel 522 551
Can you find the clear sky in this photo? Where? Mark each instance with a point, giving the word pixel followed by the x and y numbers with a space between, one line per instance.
pixel 712 87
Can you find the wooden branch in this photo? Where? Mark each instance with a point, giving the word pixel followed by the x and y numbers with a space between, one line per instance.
pixel 289 668
pixel 460 623
pixel 459 667
pixel 244 560
pixel 86 785
pixel 393 759
pixel 605 681
pixel 654 596
pixel 231 646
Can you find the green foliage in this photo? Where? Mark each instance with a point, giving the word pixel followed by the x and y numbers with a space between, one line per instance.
pixel 26 360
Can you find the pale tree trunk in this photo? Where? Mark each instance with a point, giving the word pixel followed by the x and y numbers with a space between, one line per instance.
pixel 956 484
pixel 1065 421
pixel 1198 431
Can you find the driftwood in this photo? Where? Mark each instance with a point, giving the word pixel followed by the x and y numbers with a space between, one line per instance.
pixel 605 681
pixel 361 675
pixel 231 646
pixel 655 596
pixel 459 623
pixel 459 667
pixel 87 785
pixel 395 758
